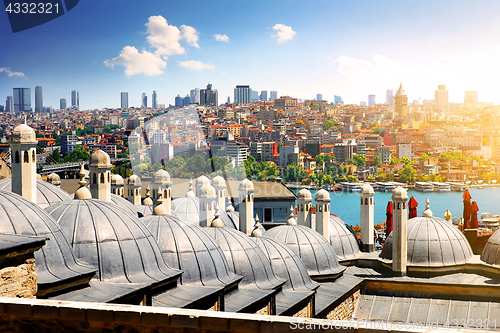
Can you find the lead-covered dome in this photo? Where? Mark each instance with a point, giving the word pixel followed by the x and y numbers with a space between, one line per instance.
pixel 304 194
pixel 124 204
pixel 100 158
pixel 245 258
pixel 314 250
pixel 491 251
pixel 341 237
pixel 46 195
pixel 286 264
pixel 190 249
pixel 23 133
pixel 113 241
pixel 117 180
pixel 161 176
pixel 218 181
pixel 55 262
pixel 246 185
pixel 432 242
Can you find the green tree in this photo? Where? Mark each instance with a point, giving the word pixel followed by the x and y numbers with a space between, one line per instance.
pixel 405 160
pixel 407 174
pixel 394 160
pixel 424 156
pixel 55 156
pixel 196 164
pixel 330 124
pixel 322 158
pixel 359 160
pixel 352 179
pixel 377 161
pixel 78 154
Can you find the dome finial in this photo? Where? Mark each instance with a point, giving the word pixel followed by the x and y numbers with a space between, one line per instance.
pixel 147 200
pixel 83 192
pixel 427 212
pixel 256 231
pixel 291 220
pixel 160 208
pixel 217 222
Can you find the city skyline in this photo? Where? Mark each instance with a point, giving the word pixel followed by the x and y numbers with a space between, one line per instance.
pixel 170 50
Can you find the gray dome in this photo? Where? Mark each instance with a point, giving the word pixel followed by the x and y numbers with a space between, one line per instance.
pixel 286 264
pixel 188 209
pixel 46 195
pixel 55 262
pixel 245 258
pixel 314 250
pixel 432 241
pixel 161 176
pixel 111 240
pixel 190 249
pixel 124 204
pixel 341 237
pixel 490 253
pixel 145 210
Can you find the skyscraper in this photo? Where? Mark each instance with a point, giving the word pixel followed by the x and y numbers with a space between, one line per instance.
pixel 153 100
pixel 209 96
pixel 263 95
pixel 144 100
pixel 62 103
pixel 192 95
pixel 9 105
pixel 124 100
pixel 319 97
pixel 470 98
pixel 273 95
pixel 22 99
pixel 186 100
pixel 254 95
pixel 441 97
pixel 389 97
pixel 38 99
pixel 75 99
pixel 371 100
pixel 337 99
pixel 242 94
pixel 178 101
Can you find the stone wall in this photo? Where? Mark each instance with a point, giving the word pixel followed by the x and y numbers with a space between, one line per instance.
pixel 345 310
pixel 18 277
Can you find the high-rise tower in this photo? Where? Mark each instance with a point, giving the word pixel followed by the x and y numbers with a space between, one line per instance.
pixel 153 100
pixel 124 100
pixel 75 99
pixel 38 99
pixel 22 99
pixel 401 104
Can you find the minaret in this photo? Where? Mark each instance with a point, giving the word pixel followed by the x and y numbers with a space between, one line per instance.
pixel 304 199
pixel 246 190
pixel 399 247
pixel 220 187
pixel 23 156
pixel 366 218
pixel 208 200
pixel 323 213
pixel 100 175
pixel 134 186
pixel 401 104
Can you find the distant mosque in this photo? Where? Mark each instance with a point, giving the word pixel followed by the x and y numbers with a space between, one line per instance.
pixel 107 244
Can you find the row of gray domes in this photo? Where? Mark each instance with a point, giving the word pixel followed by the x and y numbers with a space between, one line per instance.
pixel 113 241
pixel 432 242
pixel 55 261
pixel 341 237
pixel 47 194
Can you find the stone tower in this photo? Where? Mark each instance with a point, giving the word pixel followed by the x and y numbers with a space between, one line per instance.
pixel 399 247
pixel 23 156
pixel 246 190
pixel 400 104
pixel 304 199
pixel 100 175
pixel 366 218
pixel 323 213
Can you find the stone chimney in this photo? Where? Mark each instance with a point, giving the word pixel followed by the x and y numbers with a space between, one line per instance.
pixel 246 190
pixel 304 199
pixel 100 175
pixel 366 218
pixel 23 157
pixel 208 200
pixel 220 187
pixel 399 246
pixel 323 213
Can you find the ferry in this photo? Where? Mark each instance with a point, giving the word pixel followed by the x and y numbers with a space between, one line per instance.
pixel 457 187
pixel 350 187
pixel 424 187
pixel 384 187
pixel 489 221
pixel 441 187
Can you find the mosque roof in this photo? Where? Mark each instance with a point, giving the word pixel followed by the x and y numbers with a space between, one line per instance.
pixel 47 194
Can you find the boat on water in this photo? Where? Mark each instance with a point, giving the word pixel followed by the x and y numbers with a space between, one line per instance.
pixel 424 187
pixel 489 221
pixel 457 187
pixel 350 187
pixel 441 187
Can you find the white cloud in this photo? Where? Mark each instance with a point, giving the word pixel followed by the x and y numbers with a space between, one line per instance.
pixel 284 33
pixel 136 62
pixel 11 73
pixel 221 38
pixel 355 69
pixel 164 37
pixel 195 65
pixel 190 35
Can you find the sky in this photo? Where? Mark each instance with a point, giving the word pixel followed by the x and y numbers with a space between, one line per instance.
pixel 348 48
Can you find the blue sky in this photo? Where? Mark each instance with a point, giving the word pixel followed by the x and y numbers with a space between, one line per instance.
pixel 347 48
